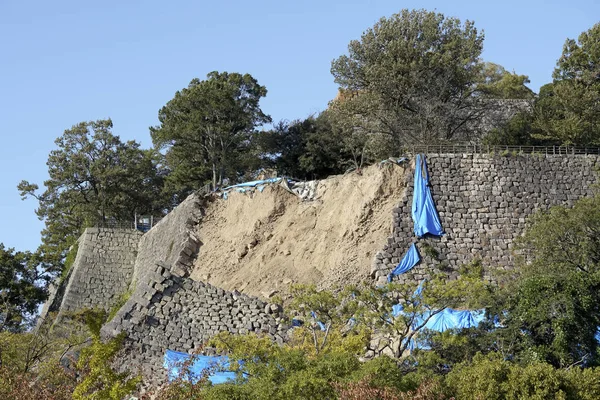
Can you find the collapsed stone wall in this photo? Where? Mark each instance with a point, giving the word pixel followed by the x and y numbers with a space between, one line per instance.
pixel 483 202
pixel 100 273
pixel 172 312
pixel 167 310
pixel 172 240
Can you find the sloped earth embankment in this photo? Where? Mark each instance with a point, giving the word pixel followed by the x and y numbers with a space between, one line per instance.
pixel 261 242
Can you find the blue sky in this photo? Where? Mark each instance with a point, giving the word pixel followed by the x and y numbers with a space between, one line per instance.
pixel 63 62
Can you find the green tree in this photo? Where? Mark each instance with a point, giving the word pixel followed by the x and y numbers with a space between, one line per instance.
pixel 553 304
pixel 100 381
pixel 20 290
pixel 417 72
pixel 304 149
pixel 374 307
pixel 514 132
pixel 569 108
pixel 93 177
pixel 206 128
pixel 498 83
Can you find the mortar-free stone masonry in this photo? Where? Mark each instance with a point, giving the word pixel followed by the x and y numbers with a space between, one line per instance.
pixel 483 201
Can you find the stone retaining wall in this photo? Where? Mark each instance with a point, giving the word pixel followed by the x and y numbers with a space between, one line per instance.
pixel 102 269
pixel 483 202
pixel 167 310
pixel 172 312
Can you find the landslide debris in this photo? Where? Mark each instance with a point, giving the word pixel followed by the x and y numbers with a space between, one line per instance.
pixel 258 243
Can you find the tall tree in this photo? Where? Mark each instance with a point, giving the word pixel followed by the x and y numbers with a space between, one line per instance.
pixel 415 77
pixel 305 149
pixel 569 108
pixel 20 289
pixel 497 82
pixel 207 126
pixel 93 176
pixel 553 304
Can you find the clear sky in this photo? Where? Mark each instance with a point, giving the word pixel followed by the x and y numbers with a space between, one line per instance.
pixel 62 62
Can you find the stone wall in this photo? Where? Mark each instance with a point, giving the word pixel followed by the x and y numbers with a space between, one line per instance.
pixel 483 202
pixel 167 310
pixel 172 240
pixel 102 269
pixel 172 312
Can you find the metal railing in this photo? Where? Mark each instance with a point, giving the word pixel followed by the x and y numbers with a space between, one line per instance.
pixel 139 223
pixel 113 224
pixel 501 150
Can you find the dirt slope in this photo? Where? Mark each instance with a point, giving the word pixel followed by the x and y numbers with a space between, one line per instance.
pixel 260 242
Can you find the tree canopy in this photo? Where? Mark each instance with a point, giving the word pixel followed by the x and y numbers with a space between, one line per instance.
pixel 21 288
pixel 417 71
pixel 304 149
pixel 569 108
pixel 497 82
pixel 206 129
pixel 93 177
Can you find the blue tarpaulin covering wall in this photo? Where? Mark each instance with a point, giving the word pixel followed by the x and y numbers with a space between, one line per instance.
pixel 424 214
pixel 410 259
pixel 426 221
pixel 174 361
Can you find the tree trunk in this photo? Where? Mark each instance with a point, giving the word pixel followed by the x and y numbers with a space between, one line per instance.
pixel 214 175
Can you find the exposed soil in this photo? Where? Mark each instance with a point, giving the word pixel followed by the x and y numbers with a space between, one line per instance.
pixel 260 242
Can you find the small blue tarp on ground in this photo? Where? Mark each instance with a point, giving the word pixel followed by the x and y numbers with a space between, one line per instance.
pixel 174 360
pixel 425 216
pixel 410 259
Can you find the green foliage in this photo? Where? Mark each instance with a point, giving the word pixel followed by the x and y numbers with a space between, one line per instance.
pixel 269 371
pixel 422 88
pixel 69 260
pixel 100 380
pixel 121 300
pixel 373 306
pixel 206 129
pixel 32 364
pixel 515 132
pixel 93 177
pixel 20 292
pixel 554 304
pixel 498 83
pixel 491 377
pixel 568 110
pixel 325 315
pixel 304 149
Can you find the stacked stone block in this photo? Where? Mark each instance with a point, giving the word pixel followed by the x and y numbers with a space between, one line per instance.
pixel 167 311
pixel 102 269
pixel 483 201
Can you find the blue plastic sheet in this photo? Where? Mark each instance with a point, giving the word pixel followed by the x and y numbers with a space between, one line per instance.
pixel 452 319
pixel 410 259
pixel 322 326
pixel 425 216
pixel 252 183
pixel 174 360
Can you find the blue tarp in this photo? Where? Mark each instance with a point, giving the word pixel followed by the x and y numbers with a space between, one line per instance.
pixel 454 319
pixel 424 214
pixel 322 326
pixel 252 183
pixel 174 360
pixel 410 259
pixel 447 319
